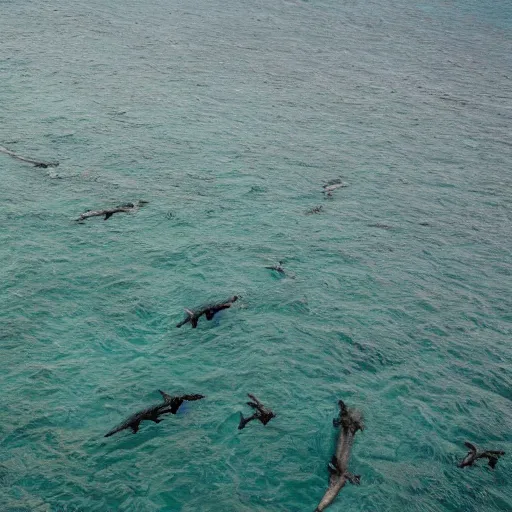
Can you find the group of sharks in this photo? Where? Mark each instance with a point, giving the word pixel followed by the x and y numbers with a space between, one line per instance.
pixel 106 213
pixel 171 405
pixel 349 421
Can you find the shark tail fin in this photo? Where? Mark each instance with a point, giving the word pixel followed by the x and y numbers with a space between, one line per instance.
pixel 470 447
pixel 189 317
pixel 243 422
pixel 115 430
pixel 254 399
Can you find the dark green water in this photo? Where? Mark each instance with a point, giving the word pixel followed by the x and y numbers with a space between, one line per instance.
pixel 228 117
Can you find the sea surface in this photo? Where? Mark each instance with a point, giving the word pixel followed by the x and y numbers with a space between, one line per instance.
pixel 229 117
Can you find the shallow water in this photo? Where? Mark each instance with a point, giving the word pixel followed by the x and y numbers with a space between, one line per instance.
pixel 228 118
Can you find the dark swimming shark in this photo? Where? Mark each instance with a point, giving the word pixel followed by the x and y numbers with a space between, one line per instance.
pixel 170 405
pixel 36 163
pixel 209 310
pixel 126 208
pixel 350 422
pixel 278 268
pixel 316 209
pixel 332 185
pixel 473 455
pixel 379 225
pixel 262 413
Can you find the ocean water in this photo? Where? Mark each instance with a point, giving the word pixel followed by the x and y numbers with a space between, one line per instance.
pixel 228 117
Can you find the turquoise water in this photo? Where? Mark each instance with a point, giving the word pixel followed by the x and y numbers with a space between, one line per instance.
pixel 228 118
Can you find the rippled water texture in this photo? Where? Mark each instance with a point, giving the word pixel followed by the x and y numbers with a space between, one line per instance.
pixel 228 117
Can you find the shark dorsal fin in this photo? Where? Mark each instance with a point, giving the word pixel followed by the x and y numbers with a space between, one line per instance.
pixel 470 447
pixel 167 398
